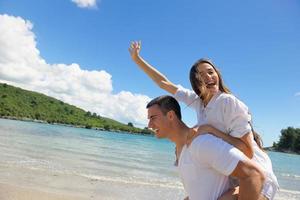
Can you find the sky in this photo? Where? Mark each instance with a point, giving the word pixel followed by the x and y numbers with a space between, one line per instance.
pixel 77 51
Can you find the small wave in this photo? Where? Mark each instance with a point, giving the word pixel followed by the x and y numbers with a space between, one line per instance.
pixel 290 191
pixel 38 165
pixel 165 184
pixel 284 194
pixel 29 162
pixel 290 175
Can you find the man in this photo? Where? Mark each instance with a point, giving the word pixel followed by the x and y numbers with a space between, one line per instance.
pixel 204 165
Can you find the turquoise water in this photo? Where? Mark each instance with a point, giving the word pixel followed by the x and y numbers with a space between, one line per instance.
pixel 104 165
pixel 287 169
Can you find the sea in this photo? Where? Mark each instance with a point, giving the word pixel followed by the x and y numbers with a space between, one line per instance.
pixel 96 164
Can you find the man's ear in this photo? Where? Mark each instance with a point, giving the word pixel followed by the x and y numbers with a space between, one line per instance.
pixel 171 115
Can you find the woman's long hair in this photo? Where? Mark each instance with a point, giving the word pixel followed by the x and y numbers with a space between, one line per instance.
pixel 201 90
pixel 256 137
pixel 197 82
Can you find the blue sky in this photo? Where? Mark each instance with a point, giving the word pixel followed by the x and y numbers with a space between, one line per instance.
pixel 256 45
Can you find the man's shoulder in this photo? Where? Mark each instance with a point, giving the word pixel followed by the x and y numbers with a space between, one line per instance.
pixel 205 141
pixel 208 148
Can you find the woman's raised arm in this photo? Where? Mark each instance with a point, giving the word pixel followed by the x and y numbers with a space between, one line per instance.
pixel 160 79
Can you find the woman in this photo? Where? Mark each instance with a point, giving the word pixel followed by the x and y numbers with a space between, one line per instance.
pixel 218 112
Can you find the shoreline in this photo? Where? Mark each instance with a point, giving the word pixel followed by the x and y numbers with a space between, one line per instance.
pixel 70 125
pixel 282 151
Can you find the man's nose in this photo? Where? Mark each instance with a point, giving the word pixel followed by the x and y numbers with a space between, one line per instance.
pixel 149 124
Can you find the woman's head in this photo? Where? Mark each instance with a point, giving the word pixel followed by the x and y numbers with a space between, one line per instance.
pixel 206 80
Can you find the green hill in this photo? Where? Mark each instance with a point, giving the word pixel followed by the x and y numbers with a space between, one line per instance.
pixel 27 105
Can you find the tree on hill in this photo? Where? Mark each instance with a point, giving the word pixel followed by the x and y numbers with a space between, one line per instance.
pixel 289 140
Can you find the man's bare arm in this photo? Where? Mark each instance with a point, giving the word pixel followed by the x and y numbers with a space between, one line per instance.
pixel 251 179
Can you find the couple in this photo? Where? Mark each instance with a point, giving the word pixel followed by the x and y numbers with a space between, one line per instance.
pixel 223 147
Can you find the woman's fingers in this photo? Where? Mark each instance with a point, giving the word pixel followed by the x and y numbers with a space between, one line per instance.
pixel 135 44
pixel 191 137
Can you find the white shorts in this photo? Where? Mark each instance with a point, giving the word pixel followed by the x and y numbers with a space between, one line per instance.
pixel 269 190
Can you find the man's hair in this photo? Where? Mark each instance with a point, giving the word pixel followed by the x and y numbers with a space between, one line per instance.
pixel 166 104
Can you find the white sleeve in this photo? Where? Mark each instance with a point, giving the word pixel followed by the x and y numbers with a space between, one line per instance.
pixel 218 154
pixel 237 117
pixel 186 96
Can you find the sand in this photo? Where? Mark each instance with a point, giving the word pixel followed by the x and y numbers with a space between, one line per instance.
pixel 11 192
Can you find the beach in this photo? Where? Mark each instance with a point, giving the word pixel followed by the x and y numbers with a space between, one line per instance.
pixel 13 192
pixel 41 161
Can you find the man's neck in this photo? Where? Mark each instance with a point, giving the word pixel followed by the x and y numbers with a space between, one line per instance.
pixel 180 134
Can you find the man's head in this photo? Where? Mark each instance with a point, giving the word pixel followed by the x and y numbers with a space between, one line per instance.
pixel 163 113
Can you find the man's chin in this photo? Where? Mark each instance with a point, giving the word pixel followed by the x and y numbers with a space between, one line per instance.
pixel 158 136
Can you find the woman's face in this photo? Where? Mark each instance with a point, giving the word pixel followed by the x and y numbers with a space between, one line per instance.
pixel 209 77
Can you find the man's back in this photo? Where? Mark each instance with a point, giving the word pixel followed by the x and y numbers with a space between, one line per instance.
pixel 204 167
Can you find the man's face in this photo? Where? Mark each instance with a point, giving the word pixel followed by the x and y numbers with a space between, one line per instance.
pixel 158 121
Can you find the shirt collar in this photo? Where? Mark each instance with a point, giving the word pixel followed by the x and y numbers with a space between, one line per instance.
pixel 212 100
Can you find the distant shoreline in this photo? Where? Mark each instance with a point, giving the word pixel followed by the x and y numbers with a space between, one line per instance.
pixel 272 149
pixel 70 125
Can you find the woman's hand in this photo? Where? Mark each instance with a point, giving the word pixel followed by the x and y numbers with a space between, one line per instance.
pixel 198 130
pixel 134 49
pixel 204 129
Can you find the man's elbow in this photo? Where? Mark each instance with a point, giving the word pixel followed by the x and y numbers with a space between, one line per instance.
pixel 251 179
pixel 256 177
pixel 250 172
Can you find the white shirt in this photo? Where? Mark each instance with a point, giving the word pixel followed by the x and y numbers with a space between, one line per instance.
pixel 204 167
pixel 228 114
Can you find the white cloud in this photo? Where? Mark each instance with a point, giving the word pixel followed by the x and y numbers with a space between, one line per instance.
pixel 21 65
pixel 86 3
pixel 297 94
